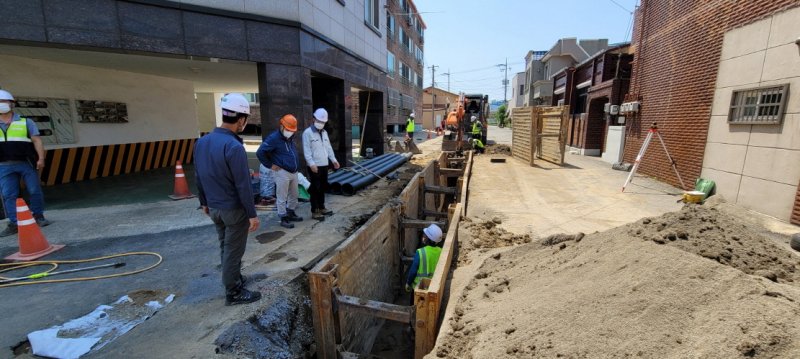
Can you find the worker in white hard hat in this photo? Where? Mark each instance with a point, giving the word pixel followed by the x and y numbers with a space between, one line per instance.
pixel 318 153
pixel 477 127
pixel 21 156
pixel 477 145
pixel 226 194
pixel 425 258
pixel 410 126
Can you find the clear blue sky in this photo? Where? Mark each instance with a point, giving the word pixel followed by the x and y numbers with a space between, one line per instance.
pixel 468 37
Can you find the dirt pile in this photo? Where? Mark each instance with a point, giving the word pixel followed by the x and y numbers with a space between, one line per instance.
pixel 485 235
pixel 498 150
pixel 674 286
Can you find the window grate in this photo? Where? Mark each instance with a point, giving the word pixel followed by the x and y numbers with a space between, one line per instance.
pixel 758 106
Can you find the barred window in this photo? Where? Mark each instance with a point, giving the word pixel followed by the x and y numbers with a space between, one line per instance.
pixel 758 106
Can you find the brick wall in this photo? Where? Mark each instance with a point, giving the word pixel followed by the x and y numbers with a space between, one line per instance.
pixel 796 210
pixel 678 45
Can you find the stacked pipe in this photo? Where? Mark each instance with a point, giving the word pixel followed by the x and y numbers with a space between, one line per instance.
pixel 349 181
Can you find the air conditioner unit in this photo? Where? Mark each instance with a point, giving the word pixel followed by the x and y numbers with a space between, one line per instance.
pixel 614 109
pixel 607 107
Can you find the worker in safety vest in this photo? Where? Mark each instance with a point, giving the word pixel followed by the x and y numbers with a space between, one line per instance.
pixel 477 127
pixel 410 126
pixel 477 145
pixel 21 155
pixel 425 258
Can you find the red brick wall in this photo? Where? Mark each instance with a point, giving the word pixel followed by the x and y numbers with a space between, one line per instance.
pixel 678 45
pixel 796 211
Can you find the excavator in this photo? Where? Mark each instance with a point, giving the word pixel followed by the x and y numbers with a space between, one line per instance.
pixel 458 124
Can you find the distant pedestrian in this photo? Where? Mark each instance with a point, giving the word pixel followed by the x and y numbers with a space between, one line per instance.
pixel 21 156
pixel 318 153
pixel 278 152
pixel 425 258
pixel 226 195
pixel 410 126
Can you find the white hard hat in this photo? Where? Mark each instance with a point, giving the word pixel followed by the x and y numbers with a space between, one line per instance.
pixel 235 102
pixel 473 118
pixel 434 233
pixel 411 115
pixel 321 115
pixel 5 95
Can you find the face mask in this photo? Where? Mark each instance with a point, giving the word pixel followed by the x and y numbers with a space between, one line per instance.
pixel 5 107
pixel 287 134
pixel 319 126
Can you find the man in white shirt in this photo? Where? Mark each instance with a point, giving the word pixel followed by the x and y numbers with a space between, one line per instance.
pixel 318 152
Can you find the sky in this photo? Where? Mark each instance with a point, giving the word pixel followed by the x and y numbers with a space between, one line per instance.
pixel 468 38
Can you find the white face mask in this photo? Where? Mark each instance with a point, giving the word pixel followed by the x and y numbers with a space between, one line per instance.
pixel 319 126
pixel 5 107
pixel 287 134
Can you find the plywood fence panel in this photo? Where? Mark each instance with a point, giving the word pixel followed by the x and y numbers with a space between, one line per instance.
pixel 552 126
pixel 522 134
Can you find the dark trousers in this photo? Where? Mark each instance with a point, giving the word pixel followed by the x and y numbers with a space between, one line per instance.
pixel 232 226
pixel 319 184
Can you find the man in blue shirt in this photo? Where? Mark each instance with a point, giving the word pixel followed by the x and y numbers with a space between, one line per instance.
pixel 278 152
pixel 21 155
pixel 226 195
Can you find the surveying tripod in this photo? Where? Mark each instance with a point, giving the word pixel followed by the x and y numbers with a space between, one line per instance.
pixel 653 130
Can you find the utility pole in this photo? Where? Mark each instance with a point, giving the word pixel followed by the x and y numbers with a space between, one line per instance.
pixel 433 75
pixel 448 79
pixel 505 80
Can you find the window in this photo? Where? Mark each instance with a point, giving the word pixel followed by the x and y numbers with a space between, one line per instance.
pixel 419 81
pixel 389 26
pixel 371 13
pixel 762 105
pixel 390 64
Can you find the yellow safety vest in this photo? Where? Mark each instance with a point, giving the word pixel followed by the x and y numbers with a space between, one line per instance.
pixel 428 257
pixel 410 125
pixel 17 131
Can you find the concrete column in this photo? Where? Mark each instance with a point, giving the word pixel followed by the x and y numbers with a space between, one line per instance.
pixel 283 89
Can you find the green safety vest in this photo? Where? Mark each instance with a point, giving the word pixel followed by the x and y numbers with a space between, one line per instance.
pixel 15 145
pixel 478 143
pixel 17 131
pixel 428 257
pixel 410 125
pixel 476 130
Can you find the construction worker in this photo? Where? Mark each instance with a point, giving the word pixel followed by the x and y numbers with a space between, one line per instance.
pixel 477 127
pixel 477 145
pixel 425 258
pixel 21 156
pixel 410 126
pixel 226 195
pixel 278 152
pixel 318 152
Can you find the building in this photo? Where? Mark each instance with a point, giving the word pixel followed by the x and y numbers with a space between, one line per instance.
pixel 594 89
pixel 517 91
pixel 126 86
pixel 725 110
pixel 405 37
pixel 435 103
pixel 538 91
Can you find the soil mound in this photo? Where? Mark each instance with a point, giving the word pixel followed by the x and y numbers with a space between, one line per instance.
pixel 674 286
pixel 486 234
pixel 498 150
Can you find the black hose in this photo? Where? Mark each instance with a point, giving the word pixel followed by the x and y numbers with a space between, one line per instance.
pixel 336 185
pixel 342 172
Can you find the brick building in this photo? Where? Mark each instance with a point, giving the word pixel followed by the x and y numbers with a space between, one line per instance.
pixel 679 47
pixel 405 33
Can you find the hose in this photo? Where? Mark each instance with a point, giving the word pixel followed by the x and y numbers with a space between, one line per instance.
pixel 54 264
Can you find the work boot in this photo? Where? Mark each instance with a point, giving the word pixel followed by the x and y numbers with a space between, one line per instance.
pixel 326 212
pixel 317 214
pixel 285 223
pixel 41 221
pixel 291 216
pixel 242 296
pixel 10 230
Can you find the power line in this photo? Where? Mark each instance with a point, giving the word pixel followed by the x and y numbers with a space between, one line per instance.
pixel 621 7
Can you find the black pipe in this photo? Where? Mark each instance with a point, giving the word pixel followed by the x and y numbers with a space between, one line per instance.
pixel 333 177
pixel 336 185
pixel 350 188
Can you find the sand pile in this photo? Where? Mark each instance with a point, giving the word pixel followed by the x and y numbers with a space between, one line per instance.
pixel 694 283
pixel 484 235
pixel 498 150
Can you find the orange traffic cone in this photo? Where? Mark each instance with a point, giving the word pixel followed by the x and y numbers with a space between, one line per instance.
pixel 181 186
pixel 32 243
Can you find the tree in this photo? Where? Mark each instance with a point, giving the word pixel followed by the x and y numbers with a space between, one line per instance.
pixel 500 115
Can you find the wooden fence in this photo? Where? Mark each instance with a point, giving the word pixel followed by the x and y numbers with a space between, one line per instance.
pixel 352 289
pixel 539 132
